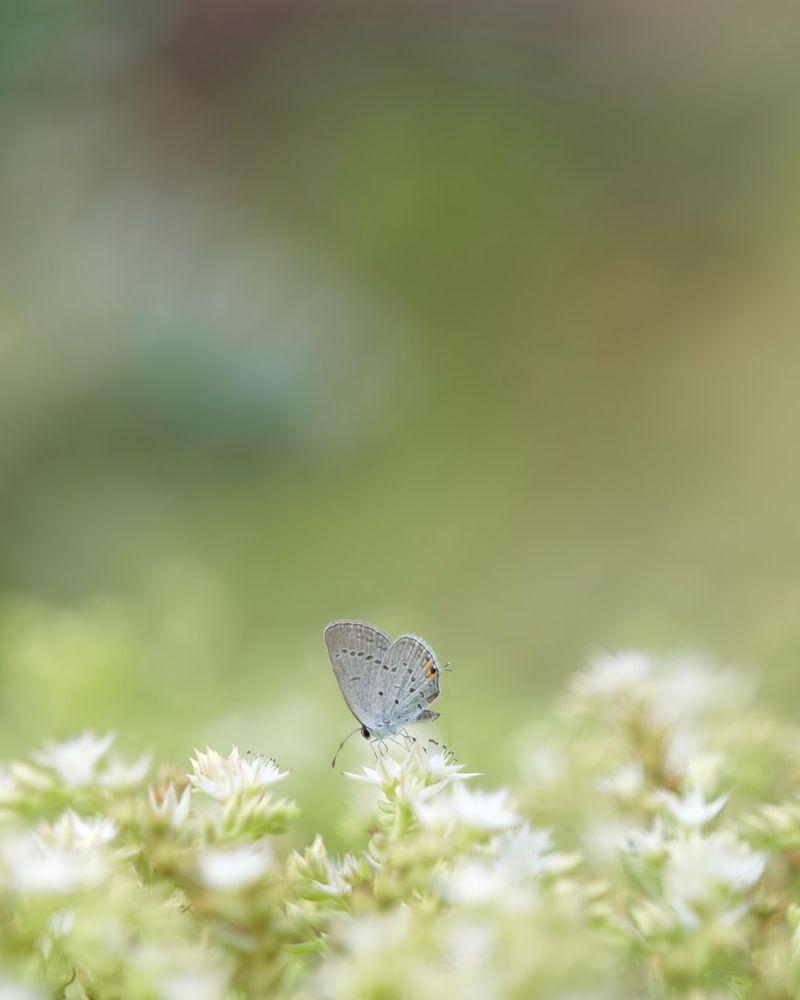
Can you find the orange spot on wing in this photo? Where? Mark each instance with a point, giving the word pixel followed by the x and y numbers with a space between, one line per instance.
pixel 429 668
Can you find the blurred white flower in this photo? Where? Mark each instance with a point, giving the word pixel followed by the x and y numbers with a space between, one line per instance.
pixel 119 774
pixel 170 809
pixel 8 786
pixel 11 990
pixel 200 984
pixel 530 852
pixel 327 876
pixel 625 783
pixel 223 777
pixel 610 675
pixel 378 934
pixel 506 874
pixel 469 971
pixel 703 771
pixel 62 922
pixel 602 840
pixel 541 765
pixel 690 686
pixel 660 918
pixel 36 866
pixel 337 882
pixel 233 867
pixel 180 971
pixel 75 760
pixel 476 882
pixel 692 810
pixel 59 924
pixel 474 809
pixel 72 830
pixel 649 844
pixel 698 867
pixel 27 777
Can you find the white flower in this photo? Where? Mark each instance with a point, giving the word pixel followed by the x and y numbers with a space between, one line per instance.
pixel 704 770
pixel 682 747
pixel 379 934
pixel 506 876
pixel 223 777
pixel 437 767
pixel 338 877
pixel 199 984
pixel 659 918
pixel 542 765
pixel 698 867
pixel 10 990
pixel 625 783
pixel 604 839
pixel 530 852
pixel 474 809
pixel 689 687
pixel 35 866
pixel 476 883
pixel 62 922
pixel 8 786
pixel 120 774
pixel 75 760
pixel 233 867
pixel 172 810
pixel 649 844
pixel 610 675
pixel 28 777
pixel 71 830
pixel 692 810
pixel 61 857
pixel 440 765
pixel 469 968
pixel 416 772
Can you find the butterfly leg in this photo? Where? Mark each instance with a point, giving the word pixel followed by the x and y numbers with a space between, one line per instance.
pixel 410 740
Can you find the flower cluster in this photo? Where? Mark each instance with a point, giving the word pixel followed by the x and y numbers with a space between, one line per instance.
pixel 649 848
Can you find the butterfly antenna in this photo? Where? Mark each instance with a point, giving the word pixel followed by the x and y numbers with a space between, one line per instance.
pixel 356 730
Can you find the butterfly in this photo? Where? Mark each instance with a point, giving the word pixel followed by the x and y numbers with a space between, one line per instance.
pixel 386 684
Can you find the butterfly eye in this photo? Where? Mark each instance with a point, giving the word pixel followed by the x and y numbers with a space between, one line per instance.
pixel 365 732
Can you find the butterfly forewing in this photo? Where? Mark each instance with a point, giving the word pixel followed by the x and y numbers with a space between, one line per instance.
pixel 356 651
pixel 409 676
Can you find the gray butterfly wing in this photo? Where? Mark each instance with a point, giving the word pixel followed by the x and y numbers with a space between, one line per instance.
pixel 410 670
pixel 356 651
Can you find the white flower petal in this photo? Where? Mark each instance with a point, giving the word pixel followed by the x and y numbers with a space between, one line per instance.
pixel 692 810
pixel 474 809
pixel 75 760
pixel 698 867
pixel 233 867
pixel 171 809
pixel 222 778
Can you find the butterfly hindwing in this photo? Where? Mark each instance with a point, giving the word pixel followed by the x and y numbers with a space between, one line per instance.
pixel 409 680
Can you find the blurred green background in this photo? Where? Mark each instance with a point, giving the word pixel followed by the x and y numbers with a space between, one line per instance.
pixel 474 320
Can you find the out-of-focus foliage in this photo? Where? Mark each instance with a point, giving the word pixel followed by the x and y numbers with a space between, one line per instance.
pixel 647 849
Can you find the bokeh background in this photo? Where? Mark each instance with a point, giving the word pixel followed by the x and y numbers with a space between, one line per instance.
pixel 478 320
